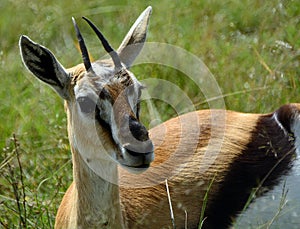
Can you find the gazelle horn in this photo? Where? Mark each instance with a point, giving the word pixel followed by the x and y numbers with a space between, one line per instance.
pixel 84 51
pixel 114 55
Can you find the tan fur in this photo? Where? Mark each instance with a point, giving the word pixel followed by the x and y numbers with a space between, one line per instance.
pixel 149 206
pixel 192 151
pixel 185 161
pixel 76 210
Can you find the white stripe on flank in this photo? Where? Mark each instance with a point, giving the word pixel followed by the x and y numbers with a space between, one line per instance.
pixel 295 127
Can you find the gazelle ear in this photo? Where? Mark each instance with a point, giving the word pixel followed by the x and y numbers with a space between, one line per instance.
pixel 134 41
pixel 43 64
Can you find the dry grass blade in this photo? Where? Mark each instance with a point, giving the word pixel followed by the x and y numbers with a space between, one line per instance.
pixel 263 63
pixel 205 199
pixel 15 178
pixel 170 204
pixel 282 204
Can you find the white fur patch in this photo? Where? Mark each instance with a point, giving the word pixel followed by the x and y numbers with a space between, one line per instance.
pixel 279 123
pixel 296 130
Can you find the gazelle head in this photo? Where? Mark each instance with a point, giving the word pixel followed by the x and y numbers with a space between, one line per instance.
pixel 102 98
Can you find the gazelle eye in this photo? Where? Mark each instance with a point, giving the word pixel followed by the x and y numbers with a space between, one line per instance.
pixel 86 104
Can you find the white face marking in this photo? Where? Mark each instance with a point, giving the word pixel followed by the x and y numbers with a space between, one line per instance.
pixel 104 70
pixel 133 99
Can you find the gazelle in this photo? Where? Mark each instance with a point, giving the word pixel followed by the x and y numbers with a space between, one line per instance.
pixel 102 106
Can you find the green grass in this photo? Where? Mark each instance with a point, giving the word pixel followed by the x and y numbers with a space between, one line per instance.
pixel 250 46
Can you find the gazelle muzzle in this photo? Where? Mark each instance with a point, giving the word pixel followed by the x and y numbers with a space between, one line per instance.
pixel 134 138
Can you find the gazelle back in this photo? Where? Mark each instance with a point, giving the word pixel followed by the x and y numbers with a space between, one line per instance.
pixel 102 105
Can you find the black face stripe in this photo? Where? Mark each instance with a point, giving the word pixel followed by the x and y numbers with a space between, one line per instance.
pixel 138 107
pixel 101 121
pixel 104 95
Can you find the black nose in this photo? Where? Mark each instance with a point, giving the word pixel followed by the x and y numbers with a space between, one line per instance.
pixel 135 137
pixel 138 130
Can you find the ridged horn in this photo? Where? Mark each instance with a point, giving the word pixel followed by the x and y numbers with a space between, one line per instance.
pixel 83 49
pixel 114 55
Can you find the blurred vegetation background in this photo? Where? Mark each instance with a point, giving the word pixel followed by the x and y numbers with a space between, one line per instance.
pixel 252 48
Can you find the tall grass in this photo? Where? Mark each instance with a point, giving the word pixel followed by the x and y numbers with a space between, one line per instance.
pixel 251 47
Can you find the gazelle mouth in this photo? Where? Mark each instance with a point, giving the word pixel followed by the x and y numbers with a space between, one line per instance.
pixel 139 167
pixel 135 162
pixel 136 169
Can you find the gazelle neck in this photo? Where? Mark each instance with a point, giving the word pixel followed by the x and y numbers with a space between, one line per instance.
pixel 97 200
